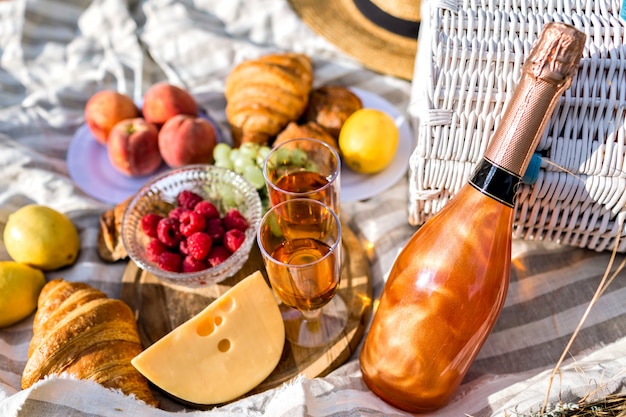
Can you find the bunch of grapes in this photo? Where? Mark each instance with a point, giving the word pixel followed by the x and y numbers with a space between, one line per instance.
pixel 247 161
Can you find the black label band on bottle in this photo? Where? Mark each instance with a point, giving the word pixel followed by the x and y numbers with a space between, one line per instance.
pixel 496 182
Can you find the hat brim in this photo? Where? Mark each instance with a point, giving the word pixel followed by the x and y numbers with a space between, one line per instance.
pixel 341 22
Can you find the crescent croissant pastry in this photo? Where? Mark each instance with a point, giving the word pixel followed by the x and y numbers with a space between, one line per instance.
pixel 265 94
pixel 80 331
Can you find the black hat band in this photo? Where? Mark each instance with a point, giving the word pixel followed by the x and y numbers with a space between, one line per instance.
pixel 402 27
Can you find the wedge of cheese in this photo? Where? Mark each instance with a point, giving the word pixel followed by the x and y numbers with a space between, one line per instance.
pixel 224 351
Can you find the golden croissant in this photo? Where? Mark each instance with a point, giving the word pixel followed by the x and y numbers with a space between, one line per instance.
pixel 265 94
pixel 80 331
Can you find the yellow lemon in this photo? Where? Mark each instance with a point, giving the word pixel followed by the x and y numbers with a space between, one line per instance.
pixel 41 237
pixel 20 286
pixel 368 141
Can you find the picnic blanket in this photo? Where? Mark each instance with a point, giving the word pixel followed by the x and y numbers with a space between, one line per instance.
pixel 55 54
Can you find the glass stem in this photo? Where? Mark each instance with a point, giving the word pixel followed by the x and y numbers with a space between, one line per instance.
pixel 311 315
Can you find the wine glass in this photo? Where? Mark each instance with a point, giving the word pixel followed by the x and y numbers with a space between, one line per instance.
pixel 300 240
pixel 303 168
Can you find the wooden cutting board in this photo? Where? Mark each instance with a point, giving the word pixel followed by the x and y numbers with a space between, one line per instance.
pixel 160 307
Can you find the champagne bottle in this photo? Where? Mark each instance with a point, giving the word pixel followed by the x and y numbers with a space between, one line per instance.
pixel 447 286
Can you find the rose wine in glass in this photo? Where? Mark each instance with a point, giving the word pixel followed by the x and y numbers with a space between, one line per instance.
pixel 303 168
pixel 300 241
pixel 301 182
pixel 306 289
pixel 447 286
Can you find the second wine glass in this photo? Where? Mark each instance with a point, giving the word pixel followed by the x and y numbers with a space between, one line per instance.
pixel 300 241
pixel 303 168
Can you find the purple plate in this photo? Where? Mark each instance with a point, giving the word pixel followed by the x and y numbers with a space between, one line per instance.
pixel 91 170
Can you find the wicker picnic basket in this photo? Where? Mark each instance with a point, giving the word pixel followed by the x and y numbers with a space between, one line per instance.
pixel 468 64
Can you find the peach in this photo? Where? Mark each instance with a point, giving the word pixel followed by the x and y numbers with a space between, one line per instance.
pixel 133 147
pixel 163 101
pixel 105 109
pixel 187 140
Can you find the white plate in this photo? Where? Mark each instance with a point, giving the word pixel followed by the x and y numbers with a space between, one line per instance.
pixel 89 167
pixel 354 186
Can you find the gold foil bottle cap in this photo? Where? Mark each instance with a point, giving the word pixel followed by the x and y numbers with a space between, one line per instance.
pixel 555 56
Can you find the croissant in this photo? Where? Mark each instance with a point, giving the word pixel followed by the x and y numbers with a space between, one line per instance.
pixel 80 331
pixel 306 130
pixel 265 94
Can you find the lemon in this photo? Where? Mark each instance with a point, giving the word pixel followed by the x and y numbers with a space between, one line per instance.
pixel 368 141
pixel 20 286
pixel 41 237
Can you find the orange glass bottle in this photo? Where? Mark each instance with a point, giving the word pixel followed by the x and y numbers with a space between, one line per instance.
pixel 446 288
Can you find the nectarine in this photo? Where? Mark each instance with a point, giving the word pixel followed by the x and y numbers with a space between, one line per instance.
pixel 133 147
pixel 187 140
pixel 163 101
pixel 105 109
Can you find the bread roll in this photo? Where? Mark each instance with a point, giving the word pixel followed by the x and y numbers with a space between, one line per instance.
pixel 110 245
pixel 330 106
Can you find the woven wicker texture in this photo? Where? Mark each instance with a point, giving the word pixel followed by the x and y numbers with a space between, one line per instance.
pixel 469 62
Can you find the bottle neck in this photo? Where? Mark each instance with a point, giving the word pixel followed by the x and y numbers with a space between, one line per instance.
pixel 500 172
pixel 495 182
pixel 547 72
pixel 523 123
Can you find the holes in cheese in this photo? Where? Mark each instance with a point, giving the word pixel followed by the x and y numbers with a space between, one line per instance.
pixel 224 351
pixel 223 345
pixel 227 304
pixel 206 327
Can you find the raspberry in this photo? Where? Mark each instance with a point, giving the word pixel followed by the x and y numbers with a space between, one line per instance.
pixel 199 245
pixel 191 264
pixel 175 213
pixel 149 224
pixel 215 229
pixel 170 261
pixel 217 255
pixel 168 232
pixel 154 249
pixel 188 199
pixel 183 247
pixel 233 239
pixel 207 210
pixel 191 222
pixel 233 219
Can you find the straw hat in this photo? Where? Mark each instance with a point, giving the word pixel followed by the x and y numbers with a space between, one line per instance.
pixel 382 34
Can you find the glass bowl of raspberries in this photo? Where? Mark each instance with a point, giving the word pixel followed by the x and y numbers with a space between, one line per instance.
pixel 192 226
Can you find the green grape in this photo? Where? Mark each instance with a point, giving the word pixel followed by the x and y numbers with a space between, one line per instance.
pixel 221 151
pixel 298 157
pixel 274 227
pixel 224 163
pixel 282 156
pixel 241 163
pixel 249 149
pixel 254 176
pixel 247 161
pixel 262 154
pixel 227 198
pixel 234 154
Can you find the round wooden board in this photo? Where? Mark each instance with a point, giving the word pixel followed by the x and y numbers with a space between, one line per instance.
pixel 160 307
